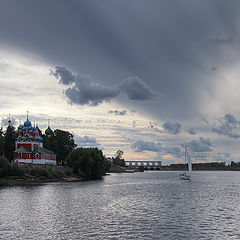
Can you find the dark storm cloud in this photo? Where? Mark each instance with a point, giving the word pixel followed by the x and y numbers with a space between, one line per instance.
pixel 228 126
pixel 83 90
pixel 64 75
pixel 168 44
pixel 89 94
pixel 117 112
pixel 136 89
pixel 172 127
pixel 192 131
pixel 201 145
pixel 140 146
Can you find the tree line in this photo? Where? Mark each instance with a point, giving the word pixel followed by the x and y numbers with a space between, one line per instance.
pixel 85 162
pixel 213 166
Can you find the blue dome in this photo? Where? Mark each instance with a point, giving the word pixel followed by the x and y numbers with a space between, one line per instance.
pixel 20 127
pixel 31 128
pixel 40 139
pixel 27 123
pixel 48 131
pixel 34 129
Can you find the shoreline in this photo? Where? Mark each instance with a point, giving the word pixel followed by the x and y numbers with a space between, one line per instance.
pixel 34 182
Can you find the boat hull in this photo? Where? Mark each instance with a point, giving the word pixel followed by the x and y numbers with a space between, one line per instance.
pixel 184 177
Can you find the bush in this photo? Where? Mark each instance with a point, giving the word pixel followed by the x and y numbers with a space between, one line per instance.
pixel 68 171
pixel 4 167
pixel 39 172
pixel 87 162
pixel 8 169
pixel 16 171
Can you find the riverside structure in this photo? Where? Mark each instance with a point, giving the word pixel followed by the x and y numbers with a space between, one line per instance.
pixel 155 165
pixel 29 145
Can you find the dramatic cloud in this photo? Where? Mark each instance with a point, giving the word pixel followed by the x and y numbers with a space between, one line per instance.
pixel 86 141
pixel 172 127
pixel 195 66
pixel 84 91
pixel 140 146
pixel 192 131
pixel 201 145
pixel 64 75
pixel 136 89
pixel 229 126
pixel 118 112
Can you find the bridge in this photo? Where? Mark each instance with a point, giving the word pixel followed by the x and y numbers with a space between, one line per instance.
pixel 148 165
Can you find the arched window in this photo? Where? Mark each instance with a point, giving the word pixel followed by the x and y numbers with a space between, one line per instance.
pixel 37 155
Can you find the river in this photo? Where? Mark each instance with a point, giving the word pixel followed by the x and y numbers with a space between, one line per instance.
pixel 149 205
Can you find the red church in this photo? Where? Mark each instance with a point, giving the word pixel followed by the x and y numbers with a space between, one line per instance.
pixel 29 146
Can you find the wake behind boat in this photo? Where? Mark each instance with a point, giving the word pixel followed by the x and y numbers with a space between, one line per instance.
pixel 185 175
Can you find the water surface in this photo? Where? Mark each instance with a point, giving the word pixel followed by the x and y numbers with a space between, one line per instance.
pixel 149 205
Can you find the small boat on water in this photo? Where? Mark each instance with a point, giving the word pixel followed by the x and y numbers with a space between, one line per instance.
pixel 187 174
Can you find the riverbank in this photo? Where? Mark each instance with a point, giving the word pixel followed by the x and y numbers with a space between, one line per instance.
pixel 28 174
pixel 35 181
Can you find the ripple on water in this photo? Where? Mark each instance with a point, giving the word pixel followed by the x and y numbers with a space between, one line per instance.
pixel 149 205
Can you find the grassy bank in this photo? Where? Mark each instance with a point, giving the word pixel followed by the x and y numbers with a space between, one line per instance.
pixel 28 174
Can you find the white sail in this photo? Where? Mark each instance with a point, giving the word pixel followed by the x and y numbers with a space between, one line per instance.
pixel 189 162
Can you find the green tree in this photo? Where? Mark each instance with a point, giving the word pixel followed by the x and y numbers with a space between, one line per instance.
pixel 9 169
pixel 118 160
pixel 1 142
pixel 61 142
pixel 9 142
pixel 88 162
pixel 4 167
pixel 119 154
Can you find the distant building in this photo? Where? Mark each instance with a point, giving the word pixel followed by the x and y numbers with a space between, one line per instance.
pixel 29 146
pixel 155 165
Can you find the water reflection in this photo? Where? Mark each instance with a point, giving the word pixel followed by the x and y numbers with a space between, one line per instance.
pixel 149 205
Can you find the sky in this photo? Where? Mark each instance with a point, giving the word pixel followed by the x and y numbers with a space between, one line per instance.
pixel 146 77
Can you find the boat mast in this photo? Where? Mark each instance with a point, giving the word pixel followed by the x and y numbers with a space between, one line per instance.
pixel 185 159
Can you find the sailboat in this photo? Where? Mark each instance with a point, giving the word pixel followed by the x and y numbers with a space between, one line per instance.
pixel 185 175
